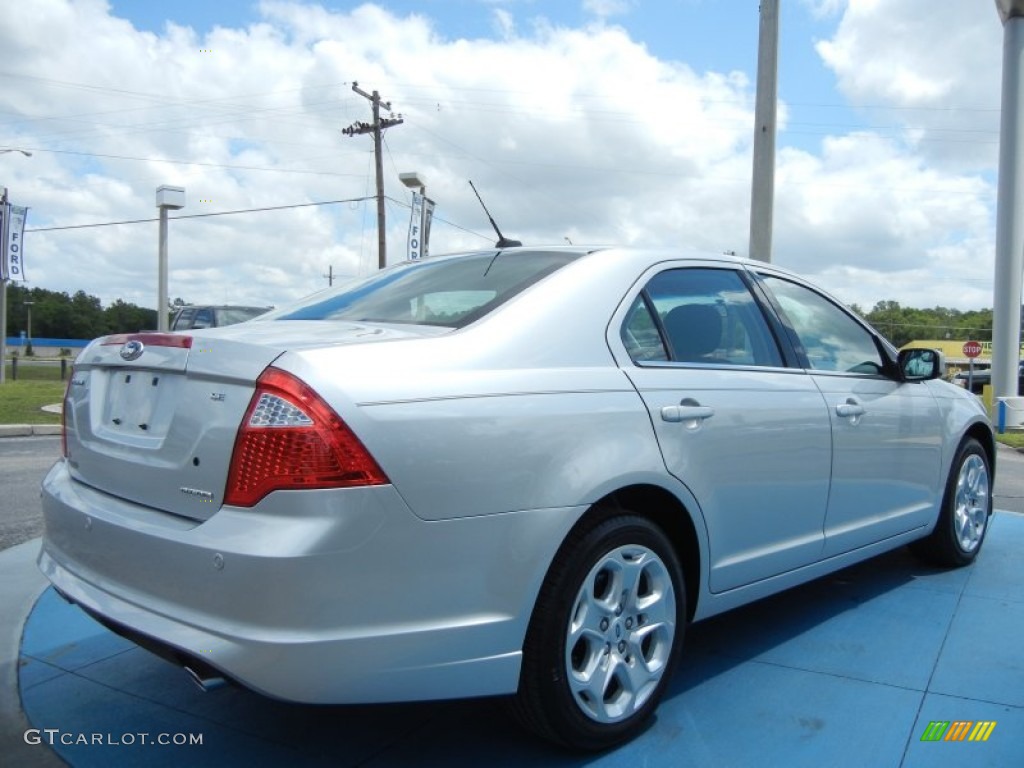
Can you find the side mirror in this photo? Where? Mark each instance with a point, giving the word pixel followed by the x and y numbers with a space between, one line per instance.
pixel 920 364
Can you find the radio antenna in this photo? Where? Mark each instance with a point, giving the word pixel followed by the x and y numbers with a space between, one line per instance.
pixel 503 242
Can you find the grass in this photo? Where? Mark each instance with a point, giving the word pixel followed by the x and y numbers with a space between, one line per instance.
pixel 36 386
pixel 1013 439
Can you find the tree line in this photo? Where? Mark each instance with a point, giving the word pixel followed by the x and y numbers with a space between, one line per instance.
pixel 904 324
pixel 57 315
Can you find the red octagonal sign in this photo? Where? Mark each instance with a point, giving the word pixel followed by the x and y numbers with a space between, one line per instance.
pixel 972 348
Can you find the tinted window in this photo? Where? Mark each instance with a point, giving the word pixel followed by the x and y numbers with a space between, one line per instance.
pixel 232 315
pixel 831 338
pixel 706 316
pixel 203 319
pixel 640 334
pixel 184 319
pixel 448 292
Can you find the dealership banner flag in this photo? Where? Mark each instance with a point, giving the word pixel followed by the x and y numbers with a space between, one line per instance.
pixel 416 227
pixel 13 234
pixel 428 216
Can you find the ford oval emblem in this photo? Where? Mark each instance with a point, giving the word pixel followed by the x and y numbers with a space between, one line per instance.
pixel 132 350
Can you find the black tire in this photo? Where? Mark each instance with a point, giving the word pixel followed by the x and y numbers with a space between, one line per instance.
pixel 590 623
pixel 965 513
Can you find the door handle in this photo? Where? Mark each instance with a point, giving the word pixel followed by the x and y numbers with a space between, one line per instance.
pixel 850 409
pixel 694 413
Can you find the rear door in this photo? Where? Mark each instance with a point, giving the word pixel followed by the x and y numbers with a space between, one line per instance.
pixel 886 434
pixel 749 436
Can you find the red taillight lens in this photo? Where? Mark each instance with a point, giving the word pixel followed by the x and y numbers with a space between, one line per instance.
pixel 290 439
pixel 151 339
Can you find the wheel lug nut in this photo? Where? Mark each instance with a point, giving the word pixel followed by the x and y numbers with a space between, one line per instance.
pixel 604 625
pixel 618 611
pixel 622 646
pixel 629 623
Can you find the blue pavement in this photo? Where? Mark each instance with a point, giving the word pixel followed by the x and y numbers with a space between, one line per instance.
pixel 846 671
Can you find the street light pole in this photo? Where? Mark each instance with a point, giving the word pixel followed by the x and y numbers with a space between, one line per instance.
pixel 167 198
pixel 1009 207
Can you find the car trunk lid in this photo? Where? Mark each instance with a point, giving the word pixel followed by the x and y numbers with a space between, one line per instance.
pixel 152 417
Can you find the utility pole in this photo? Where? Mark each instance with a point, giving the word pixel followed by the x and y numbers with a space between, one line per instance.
pixel 376 128
pixel 1006 320
pixel 762 191
pixel 330 275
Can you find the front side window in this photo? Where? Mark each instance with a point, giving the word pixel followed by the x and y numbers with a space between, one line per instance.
pixel 448 292
pixel 832 340
pixel 699 315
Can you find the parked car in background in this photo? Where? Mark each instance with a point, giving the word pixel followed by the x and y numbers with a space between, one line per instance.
pixel 213 316
pixel 516 471
pixel 978 380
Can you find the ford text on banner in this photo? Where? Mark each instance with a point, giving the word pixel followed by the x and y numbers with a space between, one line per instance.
pixel 14 257
pixel 416 227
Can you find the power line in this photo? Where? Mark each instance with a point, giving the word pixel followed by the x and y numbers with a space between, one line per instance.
pixel 192 162
pixel 251 210
pixel 202 215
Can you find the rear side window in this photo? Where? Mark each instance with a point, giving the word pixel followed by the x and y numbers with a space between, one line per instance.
pixel 448 292
pixel 698 315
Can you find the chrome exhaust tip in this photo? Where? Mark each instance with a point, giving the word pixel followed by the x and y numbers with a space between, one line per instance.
pixel 206 679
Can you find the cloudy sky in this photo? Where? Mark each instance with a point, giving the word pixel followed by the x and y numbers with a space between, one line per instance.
pixel 601 121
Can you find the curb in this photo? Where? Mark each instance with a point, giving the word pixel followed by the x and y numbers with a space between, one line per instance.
pixel 27 430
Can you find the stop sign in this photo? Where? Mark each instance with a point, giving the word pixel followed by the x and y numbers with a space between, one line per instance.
pixel 972 348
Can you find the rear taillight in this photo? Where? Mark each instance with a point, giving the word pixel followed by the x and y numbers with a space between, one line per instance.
pixel 290 439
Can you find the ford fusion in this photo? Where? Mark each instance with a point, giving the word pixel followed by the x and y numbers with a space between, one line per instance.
pixel 517 471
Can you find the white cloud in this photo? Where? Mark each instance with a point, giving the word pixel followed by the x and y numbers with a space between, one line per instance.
pixel 932 69
pixel 607 8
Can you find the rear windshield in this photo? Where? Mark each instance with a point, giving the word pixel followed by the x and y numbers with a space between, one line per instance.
pixel 232 315
pixel 450 292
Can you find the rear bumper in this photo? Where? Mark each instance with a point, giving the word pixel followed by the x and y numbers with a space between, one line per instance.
pixel 338 596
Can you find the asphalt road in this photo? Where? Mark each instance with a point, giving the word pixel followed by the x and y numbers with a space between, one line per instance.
pixel 25 460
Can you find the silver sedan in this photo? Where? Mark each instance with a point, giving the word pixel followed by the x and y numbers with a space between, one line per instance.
pixel 517 471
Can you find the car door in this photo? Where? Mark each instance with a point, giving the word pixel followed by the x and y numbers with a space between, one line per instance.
pixel 886 434
pixel 747 435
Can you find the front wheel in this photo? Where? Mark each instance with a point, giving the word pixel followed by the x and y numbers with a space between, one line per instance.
pixel 605 635
pixel 966 508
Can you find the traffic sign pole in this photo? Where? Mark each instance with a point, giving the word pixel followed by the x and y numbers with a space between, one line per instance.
pixel 971 350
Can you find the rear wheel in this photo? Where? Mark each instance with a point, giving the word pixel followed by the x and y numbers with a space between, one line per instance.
pixel 605 635
pixel 966 508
